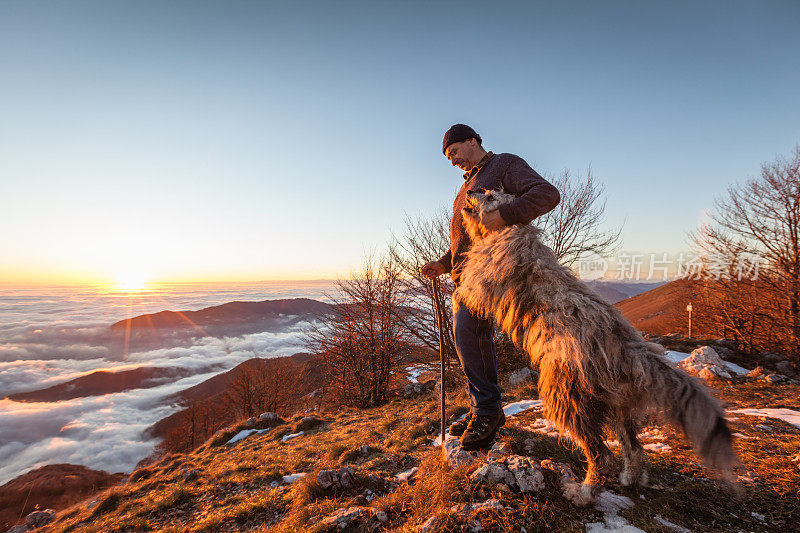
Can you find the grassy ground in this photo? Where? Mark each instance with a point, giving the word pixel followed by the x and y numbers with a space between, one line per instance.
pixel 239 487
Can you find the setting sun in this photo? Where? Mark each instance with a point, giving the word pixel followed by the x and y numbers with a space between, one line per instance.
pixel 131 281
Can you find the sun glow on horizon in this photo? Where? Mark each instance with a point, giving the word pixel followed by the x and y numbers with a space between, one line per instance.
pixel 131 282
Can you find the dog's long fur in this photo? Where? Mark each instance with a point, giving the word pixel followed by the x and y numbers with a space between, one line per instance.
pixel 596 370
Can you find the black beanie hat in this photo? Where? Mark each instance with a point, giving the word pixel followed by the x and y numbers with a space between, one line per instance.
pixel 458 133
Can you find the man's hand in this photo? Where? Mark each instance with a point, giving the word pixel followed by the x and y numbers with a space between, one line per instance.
pixel 492 220
pixel 432 269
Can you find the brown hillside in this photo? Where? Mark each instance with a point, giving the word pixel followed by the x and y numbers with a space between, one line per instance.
pixel 52 486
pixel 663 310
pixel 306 376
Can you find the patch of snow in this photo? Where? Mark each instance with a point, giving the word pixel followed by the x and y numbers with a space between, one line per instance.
pixel 787 415
pixel 675 357
pixel 657 447
pixel 652 435
pixel 736 369
pixel 667 523
pixel 415 371
pixel 610 504
pixel 291 436
pixel 757 516
pixel 243 434
pixel 517 407
pixel 405 476
pixel 742 436
pixel 291 478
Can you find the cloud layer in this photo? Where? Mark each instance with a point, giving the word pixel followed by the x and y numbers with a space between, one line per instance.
pixel 51 340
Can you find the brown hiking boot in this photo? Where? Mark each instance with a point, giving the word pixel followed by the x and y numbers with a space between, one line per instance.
pixel 481 430
pixel 458 427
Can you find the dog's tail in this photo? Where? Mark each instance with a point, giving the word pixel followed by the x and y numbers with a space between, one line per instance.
pixel 687 404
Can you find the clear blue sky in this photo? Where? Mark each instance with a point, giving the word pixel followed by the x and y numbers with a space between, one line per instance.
pixel 252 140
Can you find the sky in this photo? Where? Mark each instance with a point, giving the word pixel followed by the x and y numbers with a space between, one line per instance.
pixel 238 141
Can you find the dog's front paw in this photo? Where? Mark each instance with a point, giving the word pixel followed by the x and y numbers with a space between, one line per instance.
pixel 580 494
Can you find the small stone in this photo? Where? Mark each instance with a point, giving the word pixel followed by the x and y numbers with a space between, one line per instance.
pixel 380 515
pixel 429 525
pixel 335 479
pixel 327 478
pixel 500 448
pixel 40 518
pixel 456 456
pixel 518 376
pixel 343 517
pixel 251 421
pixel 407 475
pixel 189 474
pixel 268 416
pixel 493 473
pixel 527 473
pixel 346 477
pixel 21 528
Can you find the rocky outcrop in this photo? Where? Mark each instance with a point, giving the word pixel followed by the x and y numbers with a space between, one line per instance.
pixel 456 456
pixel 336 479
pixel 706 363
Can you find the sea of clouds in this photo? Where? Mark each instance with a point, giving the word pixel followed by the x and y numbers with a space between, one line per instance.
pixel 49 336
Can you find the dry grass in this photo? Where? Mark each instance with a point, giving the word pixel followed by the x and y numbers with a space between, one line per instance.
pixel 239 487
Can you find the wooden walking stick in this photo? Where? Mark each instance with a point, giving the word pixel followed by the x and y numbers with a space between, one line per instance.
pixel 441 357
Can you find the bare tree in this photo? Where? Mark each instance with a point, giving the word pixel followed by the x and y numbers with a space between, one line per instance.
pixel 751 248
pixel 574 228
pixel 363 340
pixel 196 424
pixel 424 240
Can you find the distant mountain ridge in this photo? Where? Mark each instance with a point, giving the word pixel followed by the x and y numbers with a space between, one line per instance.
pixel 178 328
pixel 237 312
pixel 104 382
pixel 614 291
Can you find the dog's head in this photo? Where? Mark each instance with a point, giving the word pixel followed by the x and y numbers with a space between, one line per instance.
pixel 480 201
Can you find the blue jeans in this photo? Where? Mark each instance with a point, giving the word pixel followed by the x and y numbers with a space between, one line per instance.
pixel 474 339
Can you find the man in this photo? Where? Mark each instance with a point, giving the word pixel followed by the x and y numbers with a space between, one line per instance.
pixel 474 337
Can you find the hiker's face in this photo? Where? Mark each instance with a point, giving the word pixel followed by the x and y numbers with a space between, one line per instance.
pixel 462 154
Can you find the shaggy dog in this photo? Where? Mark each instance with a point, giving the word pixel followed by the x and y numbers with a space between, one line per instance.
pixel 596 370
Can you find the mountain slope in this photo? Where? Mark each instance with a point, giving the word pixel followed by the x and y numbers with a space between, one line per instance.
pixel 273 480
pixel 661 310
pixel 54 486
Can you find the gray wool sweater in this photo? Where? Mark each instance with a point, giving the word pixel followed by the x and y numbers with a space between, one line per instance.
pixel 535 197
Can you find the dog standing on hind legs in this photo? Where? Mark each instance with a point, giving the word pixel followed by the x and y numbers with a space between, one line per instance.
pixel 595 369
